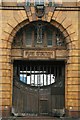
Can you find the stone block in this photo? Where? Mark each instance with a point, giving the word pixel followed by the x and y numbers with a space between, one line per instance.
pixel 44 18
pixel 9 45
pixel 73 53
pixel 18 53
pixel 61 16
pixel 73 67
pixel 5 59
pixel 29 13
pixel 5 95
pixel 78 3
pixel 71 3
pixel 75 44
pixel 73 59
pixel 72 81
pixel 66 23
pixel 73 96
pixel 34 17
pixel 5 102
pixel 27 9
pixel 9 3
pixel 72 33
pixel 5 52
pixel 30 18
pixel 55 15
pixel 33 10
pixel 5 87
pixel 21 16
pixel 12 22
pixel 72 103
pixel 17 17
pixel 4 71
pixel 8 14
pixel 73 74
pixel 72 88
pixel 62 53
pixel 6 80
pixel 46 10
pixel 4 44
pixel 48 19
pixel 4 36
pixel 23 12
pixel 50 14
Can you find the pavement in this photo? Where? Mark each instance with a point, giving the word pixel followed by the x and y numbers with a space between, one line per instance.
pixel 55 118
pixel 67 118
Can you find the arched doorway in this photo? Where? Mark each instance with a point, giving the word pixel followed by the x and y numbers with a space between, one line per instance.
pixel 39 53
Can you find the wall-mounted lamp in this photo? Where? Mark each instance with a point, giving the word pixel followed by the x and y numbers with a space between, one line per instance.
pixel 70 107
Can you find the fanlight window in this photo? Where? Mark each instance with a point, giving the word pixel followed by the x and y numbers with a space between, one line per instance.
pixel 39 73
pixel 39 34
pixel 37 78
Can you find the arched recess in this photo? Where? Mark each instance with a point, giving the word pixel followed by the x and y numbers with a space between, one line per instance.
pixel 53 23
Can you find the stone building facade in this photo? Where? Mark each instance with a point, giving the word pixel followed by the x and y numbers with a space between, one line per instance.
pixel 65 17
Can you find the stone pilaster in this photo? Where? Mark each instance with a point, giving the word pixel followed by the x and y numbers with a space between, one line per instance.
pixel 72 73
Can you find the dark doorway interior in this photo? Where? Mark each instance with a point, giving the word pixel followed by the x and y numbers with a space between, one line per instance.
pixel 38 87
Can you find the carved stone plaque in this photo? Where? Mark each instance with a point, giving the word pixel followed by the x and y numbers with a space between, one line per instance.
pixel 38 54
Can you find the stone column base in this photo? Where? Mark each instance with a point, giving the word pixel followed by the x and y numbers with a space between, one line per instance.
pixel 74 113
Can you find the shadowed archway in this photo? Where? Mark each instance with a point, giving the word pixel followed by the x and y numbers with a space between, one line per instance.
pixel 39 53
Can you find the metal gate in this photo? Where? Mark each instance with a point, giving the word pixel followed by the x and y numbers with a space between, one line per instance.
pixel 38 87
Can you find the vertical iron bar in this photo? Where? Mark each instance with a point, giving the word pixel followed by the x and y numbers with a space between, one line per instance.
pixel 23 72
pixel 26 74
pixel 54 38
pixel 51 90
pixel 50 73
pixel 45 39
pixel 38 90
pixel 55 72
pixel 43 75
pixel 34 75
pixel 32 38
pixel 46 76
pixel 39 76
pixel 24 38
pixel 18 68
pixel 30 74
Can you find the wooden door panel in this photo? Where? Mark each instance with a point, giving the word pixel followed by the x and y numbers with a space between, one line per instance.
pixel 43 107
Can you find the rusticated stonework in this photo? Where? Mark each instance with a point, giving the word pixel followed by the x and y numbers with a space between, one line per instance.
pixel 65 18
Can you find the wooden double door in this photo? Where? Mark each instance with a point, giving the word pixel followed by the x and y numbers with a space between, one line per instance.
pixel 38 87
